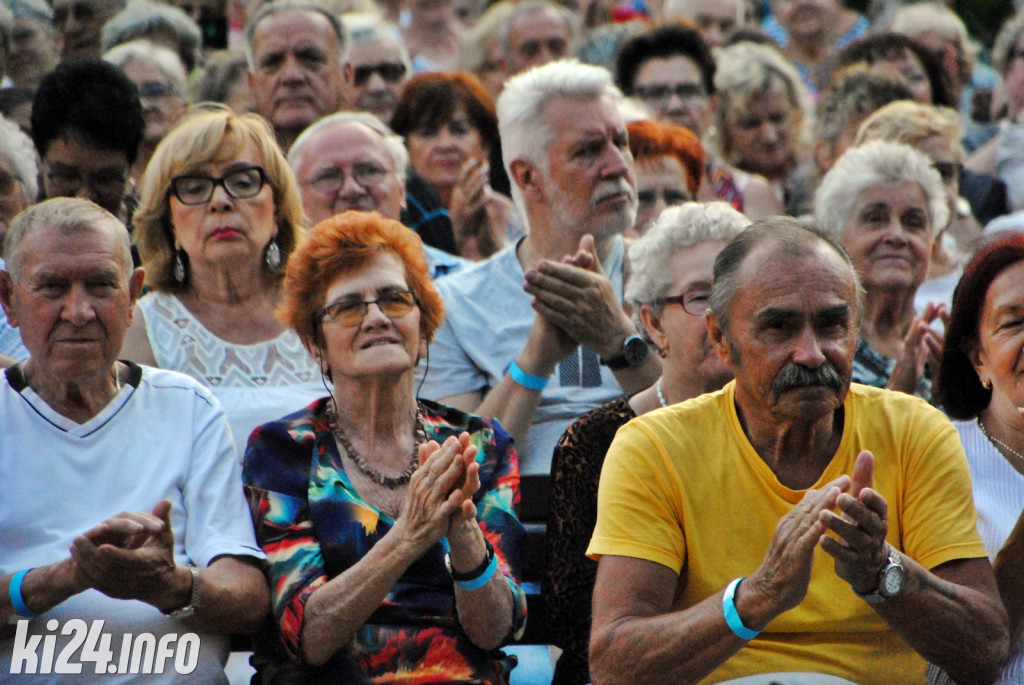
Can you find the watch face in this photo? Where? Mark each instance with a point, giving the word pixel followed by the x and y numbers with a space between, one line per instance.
pixel 635 350
pixel 892 581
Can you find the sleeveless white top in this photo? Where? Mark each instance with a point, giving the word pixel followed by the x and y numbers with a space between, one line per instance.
pixel 255 383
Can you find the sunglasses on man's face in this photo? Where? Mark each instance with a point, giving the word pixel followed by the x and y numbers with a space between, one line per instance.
pixel 392 72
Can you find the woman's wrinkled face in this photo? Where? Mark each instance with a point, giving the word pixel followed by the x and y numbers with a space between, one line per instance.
pixel 437 152
pixel 379 344
pixel 763 135
pixel 225 229
pixel 660 183
pixel 889 237
pixel 999 357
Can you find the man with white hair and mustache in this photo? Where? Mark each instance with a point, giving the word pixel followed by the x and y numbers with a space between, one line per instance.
pixel 792 522
pixel 539 359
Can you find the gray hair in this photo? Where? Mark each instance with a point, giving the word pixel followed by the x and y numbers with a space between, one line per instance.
pixel 790 235
pixel 272 8
pixel 877 163
pixel 392 141
pixel 67 215
pixel 525 7
pixel 525 133
pixel 17 148
pixel 146 19
pixel 163 58
pixel 676 228
pixel 38 11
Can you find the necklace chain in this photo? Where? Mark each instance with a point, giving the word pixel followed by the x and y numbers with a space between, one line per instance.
pixel 999 443
pixel 391 482
pixel 661 393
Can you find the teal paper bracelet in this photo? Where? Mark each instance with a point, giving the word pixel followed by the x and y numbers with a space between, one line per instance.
pixel 14 592
pixel 481 579
pixel 732 618
pixel 524 379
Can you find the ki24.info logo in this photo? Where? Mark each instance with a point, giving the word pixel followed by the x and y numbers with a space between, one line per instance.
pixel 88 650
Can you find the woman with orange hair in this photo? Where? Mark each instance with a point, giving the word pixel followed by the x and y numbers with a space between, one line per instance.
pixel 387 521
pixel 669 162
pixel 451 129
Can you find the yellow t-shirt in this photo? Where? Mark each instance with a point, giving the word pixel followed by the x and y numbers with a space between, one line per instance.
pixel 683 487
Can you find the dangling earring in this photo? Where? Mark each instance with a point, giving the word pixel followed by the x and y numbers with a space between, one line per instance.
pixel 273 254
pixel 179 265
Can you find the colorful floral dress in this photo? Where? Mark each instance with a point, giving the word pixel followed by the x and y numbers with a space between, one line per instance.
pixel 313 525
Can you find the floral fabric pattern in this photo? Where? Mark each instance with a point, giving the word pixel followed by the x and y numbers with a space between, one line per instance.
pixel 313 525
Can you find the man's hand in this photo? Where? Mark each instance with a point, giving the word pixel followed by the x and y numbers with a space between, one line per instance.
pixel 859 548
pixel 922 347
pixel 781 582
pixel 578 297
pixel 131 556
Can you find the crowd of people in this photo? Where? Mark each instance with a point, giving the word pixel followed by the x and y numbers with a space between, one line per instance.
pixel 295 293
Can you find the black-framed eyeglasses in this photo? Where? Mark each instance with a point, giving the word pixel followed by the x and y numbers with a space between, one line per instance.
pixel 694 302
pixel 197 189
pixel 948 171
pixel 352 310
pixel 392 72
pixel 368 175
pixel 663 92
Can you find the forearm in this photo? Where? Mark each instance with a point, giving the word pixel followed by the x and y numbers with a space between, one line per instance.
pixel 42 588
pixel 959 628
pixel 233 597
pixel 679 647
pixel 338 608
pixel 485 613
pixel 514 404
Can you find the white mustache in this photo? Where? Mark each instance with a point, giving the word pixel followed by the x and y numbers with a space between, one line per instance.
pixel 612 188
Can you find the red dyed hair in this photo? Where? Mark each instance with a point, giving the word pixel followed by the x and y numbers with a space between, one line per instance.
pixel 649 140
pixel 345 242
pixel 957 388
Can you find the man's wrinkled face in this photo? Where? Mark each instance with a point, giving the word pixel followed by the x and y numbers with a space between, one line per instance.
pixel 346 166
pixel 791 334
pixel 72 301
pixel 297 74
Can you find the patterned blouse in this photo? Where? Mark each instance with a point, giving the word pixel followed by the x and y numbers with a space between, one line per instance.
pixel 871 367
pixel 569 580
pixel 313 525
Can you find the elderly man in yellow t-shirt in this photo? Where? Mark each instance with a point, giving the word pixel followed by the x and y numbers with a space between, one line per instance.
pixel 711 512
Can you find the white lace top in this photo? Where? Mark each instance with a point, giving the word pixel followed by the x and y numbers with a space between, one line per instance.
pixel 255 383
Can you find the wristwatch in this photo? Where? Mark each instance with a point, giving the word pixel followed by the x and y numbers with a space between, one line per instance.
pixel 634 352
pixel 890 579
pixel 193 602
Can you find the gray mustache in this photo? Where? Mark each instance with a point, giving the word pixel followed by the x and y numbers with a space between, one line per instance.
pixel 799 376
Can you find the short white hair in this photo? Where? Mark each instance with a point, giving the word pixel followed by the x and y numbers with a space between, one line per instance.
pixel 393 142
pixel 676 228
pixel 367 27
pixel 524 132
pixel 17 148
pixel 877 163
pixel 163 58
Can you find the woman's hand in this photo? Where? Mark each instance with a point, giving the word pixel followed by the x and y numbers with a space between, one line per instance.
pixel 922 346
pixel 437 496
pixel 472 211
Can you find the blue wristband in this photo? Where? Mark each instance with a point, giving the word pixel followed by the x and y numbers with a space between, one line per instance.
pixel 732 618
pixel 481 579
pixel 524 379
pixel 17 601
